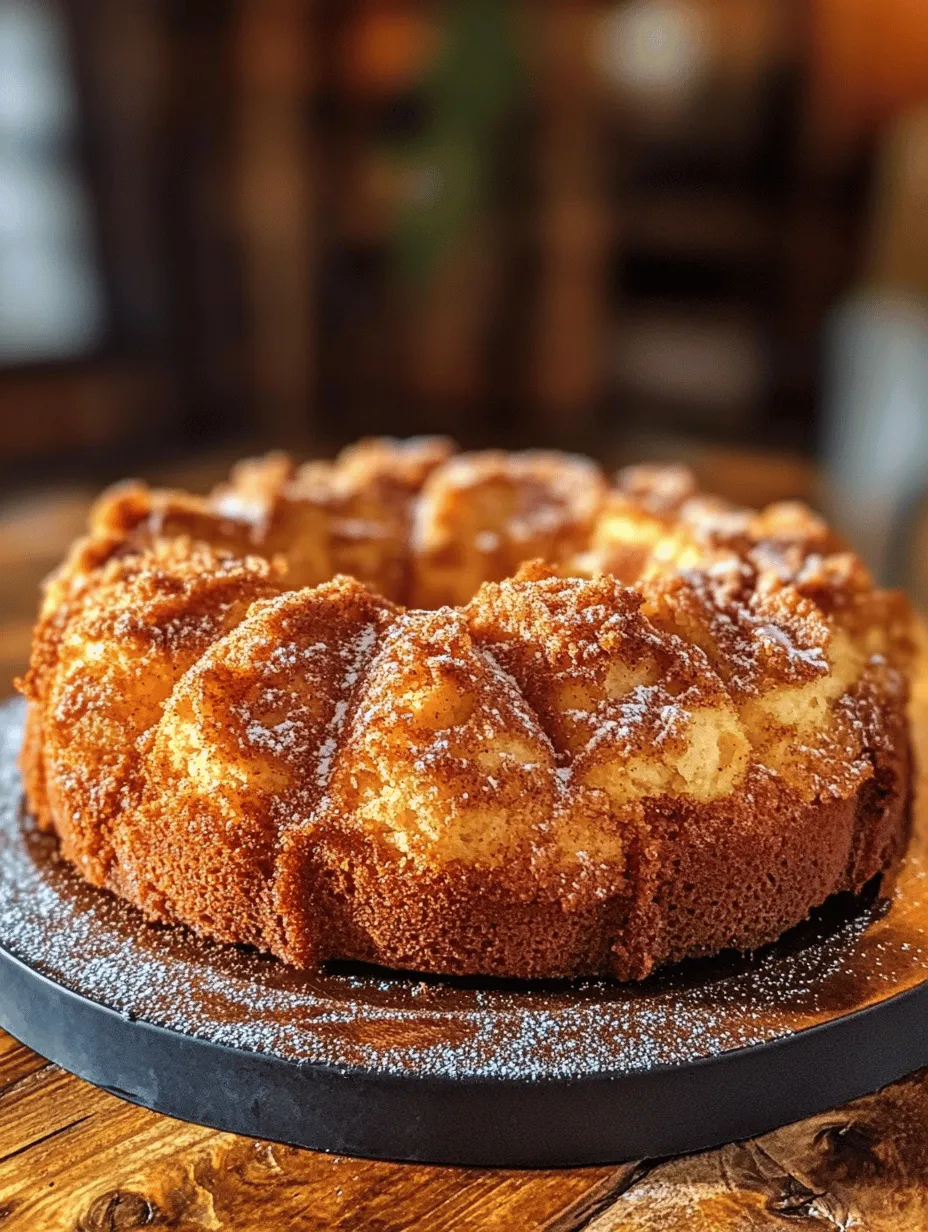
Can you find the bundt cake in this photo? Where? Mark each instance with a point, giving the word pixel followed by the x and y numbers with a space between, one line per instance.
pixel 468 713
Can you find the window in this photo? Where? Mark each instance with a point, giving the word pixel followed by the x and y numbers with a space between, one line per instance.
pixel 51 297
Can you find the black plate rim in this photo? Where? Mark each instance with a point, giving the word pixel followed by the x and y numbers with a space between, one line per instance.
pixel 534 1133
pixel 370 1073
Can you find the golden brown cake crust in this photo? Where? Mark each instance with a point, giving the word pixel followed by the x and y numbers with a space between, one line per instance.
pixel 681 733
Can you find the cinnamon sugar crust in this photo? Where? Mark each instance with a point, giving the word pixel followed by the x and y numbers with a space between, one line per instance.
pixel 617 725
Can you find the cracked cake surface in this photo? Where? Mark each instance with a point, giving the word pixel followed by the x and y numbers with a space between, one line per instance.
pixel 487 713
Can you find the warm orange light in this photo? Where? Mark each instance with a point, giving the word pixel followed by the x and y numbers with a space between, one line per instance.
pixel 871 60
pixel 385 52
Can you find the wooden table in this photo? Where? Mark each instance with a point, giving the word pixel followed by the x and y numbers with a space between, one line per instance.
pixel 75 1159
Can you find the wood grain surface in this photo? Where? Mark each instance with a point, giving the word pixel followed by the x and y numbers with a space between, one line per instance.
pixel 76 1159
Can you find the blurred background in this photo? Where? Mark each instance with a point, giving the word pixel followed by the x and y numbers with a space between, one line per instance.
pixel 643 229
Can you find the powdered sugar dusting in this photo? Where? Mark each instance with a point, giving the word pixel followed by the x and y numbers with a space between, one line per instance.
pixel 91 942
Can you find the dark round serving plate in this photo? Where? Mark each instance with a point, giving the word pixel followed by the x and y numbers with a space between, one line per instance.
pixel 390 1065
